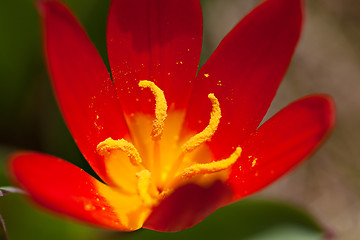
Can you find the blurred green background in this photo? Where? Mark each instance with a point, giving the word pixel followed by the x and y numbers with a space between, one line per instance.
pixel 328 185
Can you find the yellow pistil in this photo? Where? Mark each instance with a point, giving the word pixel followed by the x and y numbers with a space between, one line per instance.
pixel 209 131
pixel 105 147
pixel 160 109
pixel 213 167
pixel 144 185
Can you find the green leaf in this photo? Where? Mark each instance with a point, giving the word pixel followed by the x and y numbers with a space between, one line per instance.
pixel 24 220
pixel 3 234
pixel 4 153
pixel 247 219
pixel 4 191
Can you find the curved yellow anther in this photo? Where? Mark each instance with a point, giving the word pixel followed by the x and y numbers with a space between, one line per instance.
pixel 213 167
pixel 144 184
pixel 209 131
pixel 105 147
pixel 160 108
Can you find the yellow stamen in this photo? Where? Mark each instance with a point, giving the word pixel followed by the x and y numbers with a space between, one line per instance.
pixel 213 167
pixel 105 147
pixel 209 131
pixel 160 108
pixel 144 184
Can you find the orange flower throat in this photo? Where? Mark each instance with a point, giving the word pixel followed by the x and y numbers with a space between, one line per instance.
pixel 149 176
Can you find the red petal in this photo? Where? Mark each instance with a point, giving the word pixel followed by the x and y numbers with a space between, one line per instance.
pixel 157 40
pixel 187 206
pixel 81 82
pixel 63 188
pixel 245 71
pixel 281 143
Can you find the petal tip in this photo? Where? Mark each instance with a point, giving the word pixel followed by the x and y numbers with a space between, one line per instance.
pixel 13 162
pixel 328 105
pixel 41 6
pixel 45 7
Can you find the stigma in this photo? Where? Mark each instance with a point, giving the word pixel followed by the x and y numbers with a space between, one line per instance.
pixel 163 164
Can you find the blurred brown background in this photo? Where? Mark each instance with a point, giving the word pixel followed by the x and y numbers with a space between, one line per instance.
pixel 327 61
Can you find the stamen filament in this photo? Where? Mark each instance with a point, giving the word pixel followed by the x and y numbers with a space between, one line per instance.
pixel 213 167
pixel 156 167
pixel 160 108
pixel 105 147
pixel 144 184
pixel 175 167
pixel 209 131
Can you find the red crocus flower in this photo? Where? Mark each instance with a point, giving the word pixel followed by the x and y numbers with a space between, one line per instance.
pixel 170 144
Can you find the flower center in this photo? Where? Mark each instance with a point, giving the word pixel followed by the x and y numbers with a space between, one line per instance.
pixel 184 166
